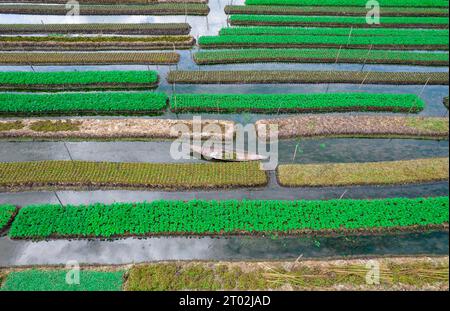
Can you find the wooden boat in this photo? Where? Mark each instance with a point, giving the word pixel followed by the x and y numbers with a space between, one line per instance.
pixel 224 154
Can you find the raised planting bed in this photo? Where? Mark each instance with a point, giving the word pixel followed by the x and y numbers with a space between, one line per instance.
pixel 229 218
pixel 337 21
pixel 278 103
pixel 77 80
pixel 98 28
pixel 320 56
pixel 7 213
pixel 104 175
pixel 111 129
pixel 324 31
pixel 55 280
pixel 88 58
pixel 360 3
pixel 358 126
pixel 331 10
pixel 101 103
pixel 284 76
pixel 395 274
pixel 53 43
pixel 312 41
pixel 199 9
pixel 370 173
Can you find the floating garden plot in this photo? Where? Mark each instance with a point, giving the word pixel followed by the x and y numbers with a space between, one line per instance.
pixel 359 126
pixel 7 213
pixel 96 43
pixel 308 41
pixel 199 9
pixel 339 21
pixel 358 3
pixel 295 76
pixel 55 280
pixel 78 80
pixel 332 10
pixel 99 175
pixel 103 103
pixel 324 31
pixel 320 56
pixel 88 58
pixel 276 103
pixel 98 28
pixel 372 173
pixel 229 217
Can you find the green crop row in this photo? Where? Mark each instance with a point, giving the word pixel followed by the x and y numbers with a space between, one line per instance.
pixel 199 9
pixel 79 174
pixel 324 31
pixel 98 28
pixel 321 56
pixel 56 280
pixel 296 102
pixel 285 76
pixel 331 10
pixel 78 77
pixel 6 213
pixel 225 217
pixel 392 42
pixel 82 103
pixel 371 173
pixel 88 58
pixel 289 20
pixel 360 3
pixel 98 2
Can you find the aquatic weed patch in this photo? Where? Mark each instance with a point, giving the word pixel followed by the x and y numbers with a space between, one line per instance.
pixel 370 173
pixel 226 217
pixel 110 175
pixel 103 103
pixel 231 103
pixel 55 280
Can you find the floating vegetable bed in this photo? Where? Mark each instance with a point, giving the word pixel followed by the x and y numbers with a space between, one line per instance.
pixel 7 213
pixel 116 9
pixel 339 21
pixel 99 175
pixel 294 76
pixel 274 103
pixel 359 126
pixel 371 173
pixel 96 43
pixel 308 41
pixel 229 217
pixel 77 80
pixel 319 56
pixel 88 58
pixel 359 3
pixel 324 31
pixel 103 103
pixel 97 28
pixel 56 280
pixel 331 10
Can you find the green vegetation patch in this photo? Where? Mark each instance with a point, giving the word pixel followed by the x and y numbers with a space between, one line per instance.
pixel 64 174
pixel 56 280
pixel 6 214
pixel 321 56
pixel 296 102
pixel 226 217
pixel 437 125
pixel 357 21
pixel 371 173
pixel 324 31
pixel 360 3
pixel 56 126
pixel 11 125
pixel 393 42
pixel 105 103
pixel 303 76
